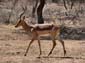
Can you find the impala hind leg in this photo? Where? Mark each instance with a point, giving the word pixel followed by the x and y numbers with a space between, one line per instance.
pixel 29 46
pixel 62 42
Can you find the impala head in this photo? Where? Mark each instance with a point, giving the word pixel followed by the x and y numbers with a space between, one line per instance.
pixel 22 19
pixel 20 22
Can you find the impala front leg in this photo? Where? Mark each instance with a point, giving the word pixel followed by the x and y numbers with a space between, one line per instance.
pixel 54 44
pixel 29 46
pixel 39 47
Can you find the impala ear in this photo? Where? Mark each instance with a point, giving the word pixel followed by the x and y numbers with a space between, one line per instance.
pixel 23 17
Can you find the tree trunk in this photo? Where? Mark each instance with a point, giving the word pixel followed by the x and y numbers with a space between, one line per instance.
pixel 65 4
pixel 72 3
pixel 39 11
pixel 34 8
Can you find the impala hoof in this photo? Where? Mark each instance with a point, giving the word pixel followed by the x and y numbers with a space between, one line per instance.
pixel 64 52
pixel 39 57
pixel 25 55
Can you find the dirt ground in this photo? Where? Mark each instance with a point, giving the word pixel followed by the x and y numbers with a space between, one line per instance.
pixel 13 43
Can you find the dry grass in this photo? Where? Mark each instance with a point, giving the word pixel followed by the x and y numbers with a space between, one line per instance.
pixel 13 43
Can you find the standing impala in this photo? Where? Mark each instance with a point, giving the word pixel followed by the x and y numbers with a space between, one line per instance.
pixel 40 29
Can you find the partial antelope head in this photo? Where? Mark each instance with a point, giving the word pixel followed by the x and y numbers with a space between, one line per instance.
pixel 22 19
pixel 20 22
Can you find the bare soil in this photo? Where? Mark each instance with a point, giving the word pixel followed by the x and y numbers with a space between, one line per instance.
pixel 13 43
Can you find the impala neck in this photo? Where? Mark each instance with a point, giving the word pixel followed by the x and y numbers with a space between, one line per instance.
pixel 26 27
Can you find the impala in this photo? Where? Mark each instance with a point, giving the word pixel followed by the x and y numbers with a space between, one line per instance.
pixel 41 29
